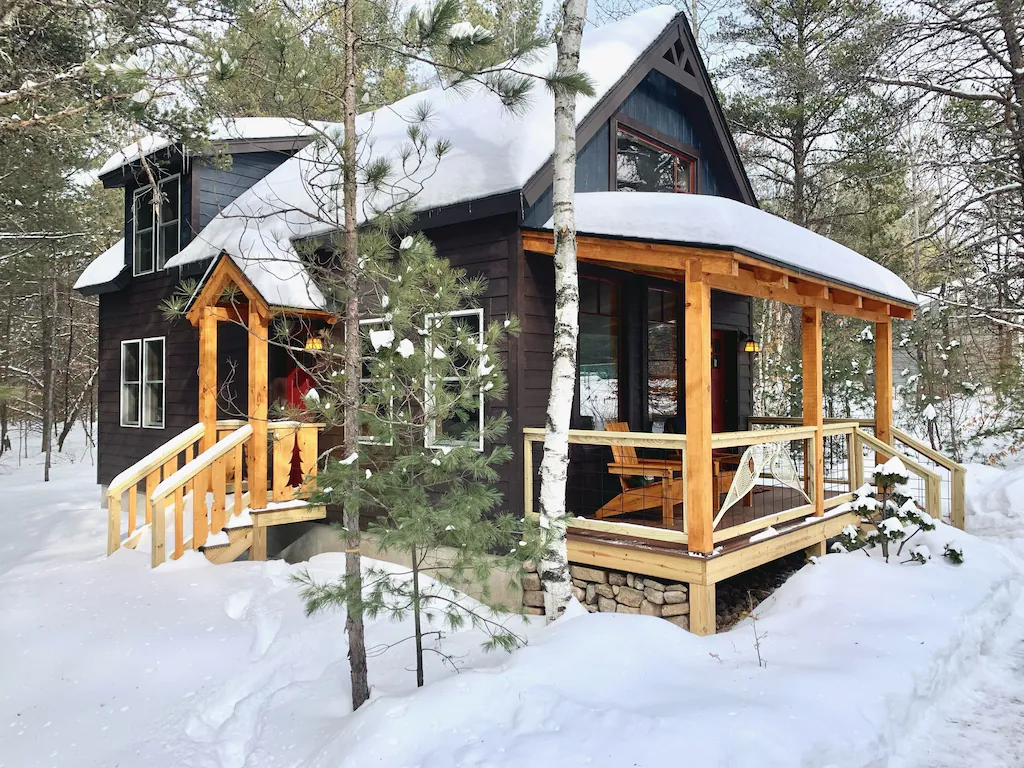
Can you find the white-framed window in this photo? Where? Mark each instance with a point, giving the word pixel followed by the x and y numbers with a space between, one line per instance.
pixel 454 431
pixel 157 231
pixel 143 383
pixel 365 379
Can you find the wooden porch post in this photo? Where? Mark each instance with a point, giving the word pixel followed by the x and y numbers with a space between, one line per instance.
pixel 697 332
pixel 813 411
pixel 258 334
pixel 208 376
pixel 883 382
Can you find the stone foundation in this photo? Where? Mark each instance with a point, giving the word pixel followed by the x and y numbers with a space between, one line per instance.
pixel 604 591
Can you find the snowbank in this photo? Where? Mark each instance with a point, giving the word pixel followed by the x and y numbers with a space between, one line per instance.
pixel 107 662
pixel 995 501
pixel 854 650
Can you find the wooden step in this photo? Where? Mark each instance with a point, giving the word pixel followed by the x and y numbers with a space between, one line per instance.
pixel 239 541
pixel 284 512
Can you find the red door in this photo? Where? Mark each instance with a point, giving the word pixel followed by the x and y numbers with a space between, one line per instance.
pixel 718 347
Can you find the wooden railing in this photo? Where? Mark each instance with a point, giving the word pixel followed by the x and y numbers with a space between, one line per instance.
pixel 148 471
pixel 932 501
pixel 951 490
pixel 668 493
pixel 957 476
pixel 223 459
pixel 296 446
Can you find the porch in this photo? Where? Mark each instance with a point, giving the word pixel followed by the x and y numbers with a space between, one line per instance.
pixel 697 502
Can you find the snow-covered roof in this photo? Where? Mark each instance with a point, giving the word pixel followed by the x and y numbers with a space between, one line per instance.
pixel 718 222
pixel 492 151
pixel 221 129
pixel 104 268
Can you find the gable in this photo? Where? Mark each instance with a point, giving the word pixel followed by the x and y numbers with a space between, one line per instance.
pixel 669 92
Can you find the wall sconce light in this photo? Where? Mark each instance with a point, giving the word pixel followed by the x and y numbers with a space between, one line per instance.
pixel 752 345
pixel 314 344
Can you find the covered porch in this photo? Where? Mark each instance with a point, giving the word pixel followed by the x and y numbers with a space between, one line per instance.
pixel 699 500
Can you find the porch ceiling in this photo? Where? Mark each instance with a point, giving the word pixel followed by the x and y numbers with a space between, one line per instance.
pixel 742 250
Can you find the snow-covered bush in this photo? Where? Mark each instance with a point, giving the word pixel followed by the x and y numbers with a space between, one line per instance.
pixel 888 515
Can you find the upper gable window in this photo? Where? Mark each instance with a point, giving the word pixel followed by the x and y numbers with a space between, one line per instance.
pixel 645 165
pixel 157 228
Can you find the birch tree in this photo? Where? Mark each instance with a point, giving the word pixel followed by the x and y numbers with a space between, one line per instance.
pixel 554 562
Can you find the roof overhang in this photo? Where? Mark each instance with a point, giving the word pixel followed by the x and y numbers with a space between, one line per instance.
pixel 728 270
pixel 222 274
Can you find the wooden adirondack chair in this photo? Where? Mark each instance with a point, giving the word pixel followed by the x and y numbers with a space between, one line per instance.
pixel 626 464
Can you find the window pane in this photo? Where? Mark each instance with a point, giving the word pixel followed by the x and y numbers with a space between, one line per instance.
pixel 683 170
pixel 154 360
pixel 130 362
pixel 662 358
pixel 154 406
pixel 455 429
pixel 130 405
pixel 642 167
pixel 143 252
pixel 144 211
pixel 599 353
pixel 168 243
pixel 169 201
pixel 467 326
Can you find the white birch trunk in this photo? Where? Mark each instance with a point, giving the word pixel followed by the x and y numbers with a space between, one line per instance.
pixel 554 563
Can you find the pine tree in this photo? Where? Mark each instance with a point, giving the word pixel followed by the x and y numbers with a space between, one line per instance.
pixel 428 367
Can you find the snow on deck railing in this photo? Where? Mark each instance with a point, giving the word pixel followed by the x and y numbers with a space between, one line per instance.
pixel 214 465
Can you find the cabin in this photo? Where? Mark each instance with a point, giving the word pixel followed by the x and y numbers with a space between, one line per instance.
pixel 674 484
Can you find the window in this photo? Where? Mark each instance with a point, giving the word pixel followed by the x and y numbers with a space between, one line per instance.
pixel 599 352
pixel 142 383
pixel 644 165
pixel 662 357
pixel 157 232
pixel 457 429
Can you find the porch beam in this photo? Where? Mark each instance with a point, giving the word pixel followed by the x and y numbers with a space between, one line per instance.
pixel 814 415
pixel 697 331
pixel 208 376
pixel 883 381
pixel 259 327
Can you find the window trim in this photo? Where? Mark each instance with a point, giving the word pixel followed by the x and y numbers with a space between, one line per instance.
pixel 154 232
pixel 137 382
pixel 162 382
pixel 430 437
pixel 142 381
pixel 656 139
pixel 370 439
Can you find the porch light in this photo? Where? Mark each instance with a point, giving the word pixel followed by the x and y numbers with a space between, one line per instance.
pixel 314 344
pixel 752 345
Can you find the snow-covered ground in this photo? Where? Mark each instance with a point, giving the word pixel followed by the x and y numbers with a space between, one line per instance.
pixel 105 662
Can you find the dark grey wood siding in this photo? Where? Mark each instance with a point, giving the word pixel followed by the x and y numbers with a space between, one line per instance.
pixel 492 248
pixel 219 186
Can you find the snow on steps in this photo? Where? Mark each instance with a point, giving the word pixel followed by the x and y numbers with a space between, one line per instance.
pixel 238 535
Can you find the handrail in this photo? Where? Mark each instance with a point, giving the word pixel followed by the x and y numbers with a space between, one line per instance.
pixel 787 420
pixel 957 476
pixel 926 450
pixel 933 483
pixel 175 485
pixel 155 459
pixel 758 436
pixel 127 479
pixel 601 437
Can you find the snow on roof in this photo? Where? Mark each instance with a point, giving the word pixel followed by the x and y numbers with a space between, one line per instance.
pixel 104 268
pixel 718 222
pixel 492 151
pixel 221 129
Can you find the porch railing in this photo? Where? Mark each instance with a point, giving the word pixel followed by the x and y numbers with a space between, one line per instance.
pixel 761 478
pixel 949 503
